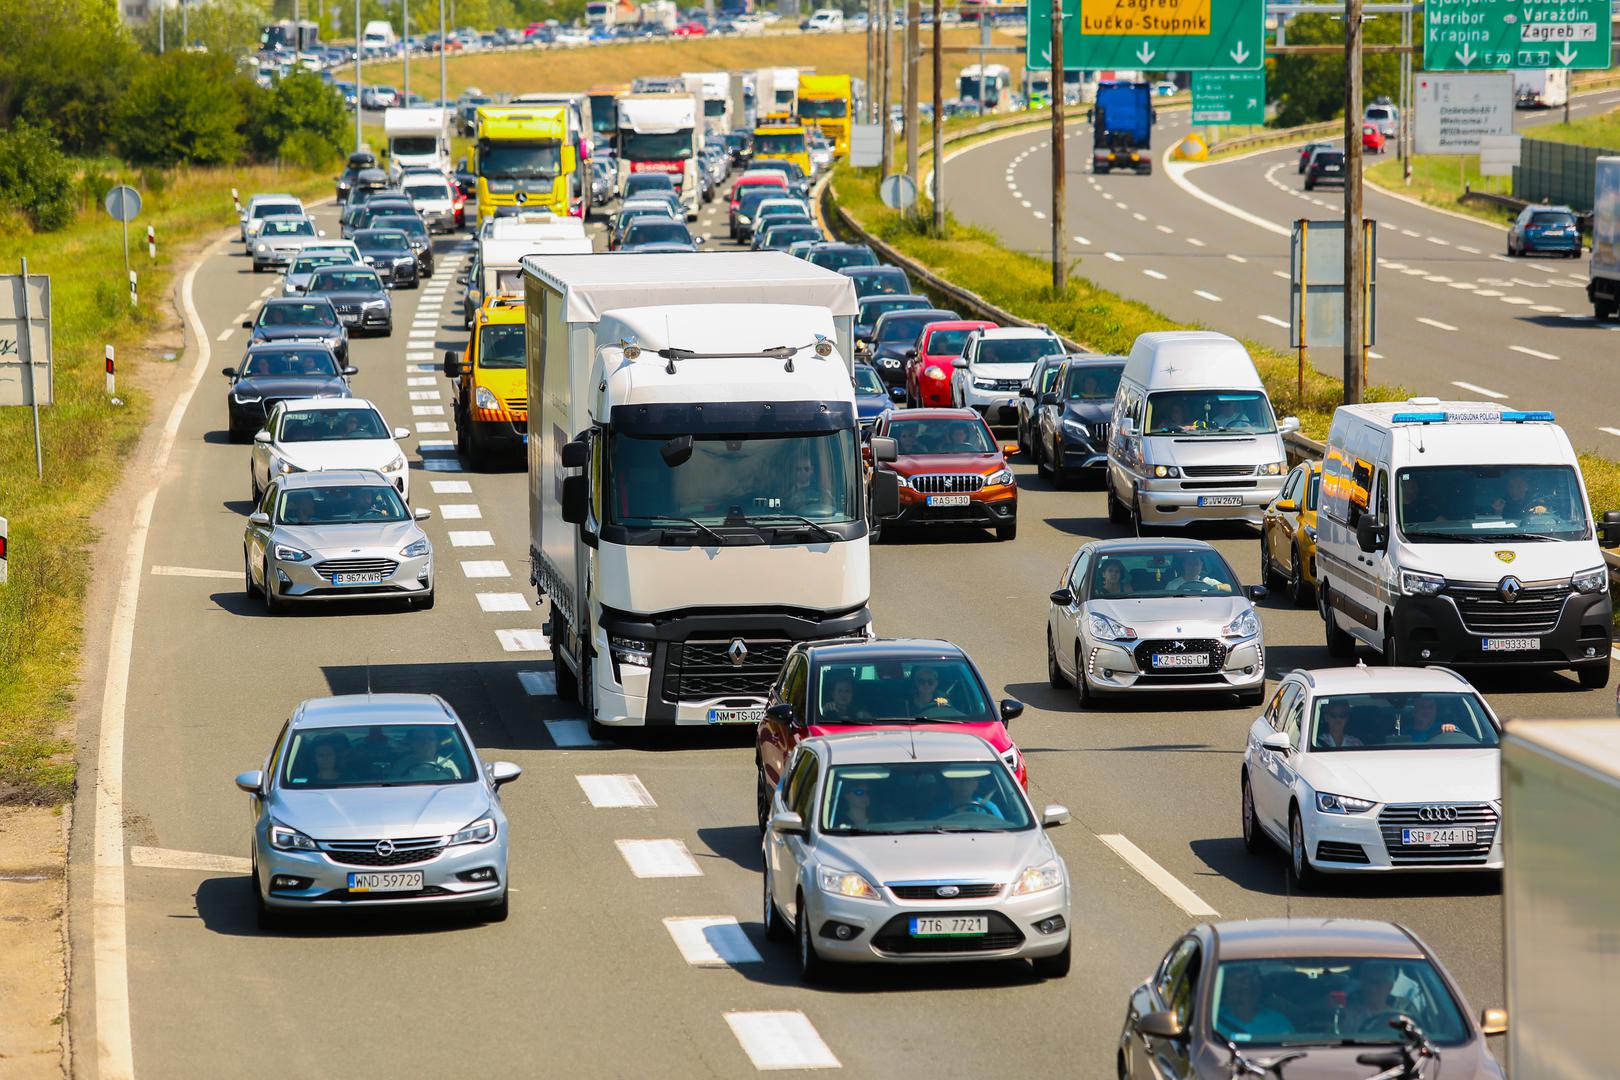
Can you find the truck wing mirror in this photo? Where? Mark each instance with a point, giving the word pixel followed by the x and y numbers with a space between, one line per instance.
pixel 885 493
pixel 885 449
pixel 452 364
pixel 576 454
pixel 1609 531
pixel 575 496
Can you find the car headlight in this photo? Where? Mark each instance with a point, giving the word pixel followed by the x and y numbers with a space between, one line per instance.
pixel 1037 879
pixel 485 399
pixel 283 838
pixel 1594 580
pixel 246 399
pixel 261 247
pixel 397 464
pixel 481 831
pixel 1103 627
pixel 1247 624
pixel 845 883
pixel 1075 427
pixel 1010 758
pixel 1414 583
pixel 1000 476
pixel 375 305
pixel 902 481
pixel 288 553
pixel 1273 468
pixel 1342 804
pixel 1166 471
pixel 416 548
pixel 984 384
pixel 743 219
pixel 631 651
pixel 284 467
pixel 934 371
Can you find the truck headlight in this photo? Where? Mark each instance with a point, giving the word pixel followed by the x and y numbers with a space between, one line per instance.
pixel 631 651
pixel 1037 879
pixel 1102 626
pixel 1247 624
pixel 1162 472
pixel 484 398
pixel 1342 804
pixel 1595 580
pixel 1414 583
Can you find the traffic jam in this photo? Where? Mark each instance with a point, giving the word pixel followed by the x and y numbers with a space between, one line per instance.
pixel 721 438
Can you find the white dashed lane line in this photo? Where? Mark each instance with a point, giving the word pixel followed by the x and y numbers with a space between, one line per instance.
pixel 1436 323
pixel 1155 275
pixel 712 941
pixel 1274 321
pixel 484 568
pixel 426 395
pixel 1236 258
pixel 1138 216
pixel 460 512
pixel 478 538
pixel 1480 390
pixel 1610 431
pixel 1537 353
pixel 1082 241
pixel 502 601
pixel 225 334
pixel 450 487
pixel 1194 241
pixel 780 1040
pixel 1160 878
pixel 615 791
pixel 523 639
pixel 1114 256
pixel 419 380
pixel 427 410
pixel 1211 297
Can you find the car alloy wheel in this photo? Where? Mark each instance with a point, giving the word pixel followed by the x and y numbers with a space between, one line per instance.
pixel 1253 837
pixel 1299 860
pixel 812 968
pixel 762 798
pixel 1082 688
pixel 776 928
pixel 1266 572
pixel 272 603
pixel 1340 645
pixel 1299 590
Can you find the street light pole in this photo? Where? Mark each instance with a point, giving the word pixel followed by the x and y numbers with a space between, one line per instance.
pixel 405 45
pixel 911 41
pixel 939 124
pixel 444 80
pixel 1354 315
pixel 1060 258
pixel 884 65
pixel 358 139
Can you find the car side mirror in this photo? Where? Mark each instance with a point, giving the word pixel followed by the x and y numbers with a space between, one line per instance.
pixel 402 433
pixel 1160 1025
pixel 1371 534
pixel 1053 815
pixel 1288 426
pixel 576 454
pixel 885 449
pixel 898 394
pixel 1609 531
pixel 1062 597
pixel 251 782
pixel 452 364
pixel 1276 741
pixel 258 517
pixel 911 354
pixel 959 362
pixel 320 232
pixel 575 497
pixel 787 823
pixel 504 772
pixel 350 370
pixel 1049 398
pixel 421 513
pixel 781 712
pixel 1286 506
pixel 885 493
pixel 1026 392
pixel 1011 709
pixel 1127 427
pixel 263 437
pixel 247 324
pixel 1493 1021
pixel 229 373
pixel 1256 592
pixel 697 241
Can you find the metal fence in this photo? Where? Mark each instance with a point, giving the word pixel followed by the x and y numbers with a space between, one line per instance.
pixel 1557 173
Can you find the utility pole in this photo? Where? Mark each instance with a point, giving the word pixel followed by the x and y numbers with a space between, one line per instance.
pixel 358 139
pixel 444 81
pixel 871 55
pixel 160 7
pixel 883 93
pixel 185 37
pixel 984 43
pixel 1354 315
pixel 939 124
pixel 913 45
pixel 1404 129
pixel 1060 258
pixel 405 45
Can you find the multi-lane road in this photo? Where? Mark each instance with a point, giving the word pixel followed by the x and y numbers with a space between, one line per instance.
pixel 634 946
pixel 1208 244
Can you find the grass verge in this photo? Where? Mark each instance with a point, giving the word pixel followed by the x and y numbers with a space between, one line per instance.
pixel 86 441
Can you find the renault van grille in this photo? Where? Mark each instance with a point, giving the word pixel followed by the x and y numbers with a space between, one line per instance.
pixel 1484 611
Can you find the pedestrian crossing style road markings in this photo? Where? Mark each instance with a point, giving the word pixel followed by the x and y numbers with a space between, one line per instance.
pixel 1178 35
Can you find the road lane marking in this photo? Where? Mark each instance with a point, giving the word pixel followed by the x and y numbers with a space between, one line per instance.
pixel 658 858
pixel 441 464
pixel 523 640
pixel 1437 240
pixel 1610 431
pixel 1155 275
pixel 225 334
pixel 1122 206
pixel 502 601
pixel 471 538
pixel 1537 353
pixel 568 734
pixel 1480 390
pixel 1040 215
pixel 434 427
pixel 1438 279
pixel 1409 232
pixel 1280 274
pixel 1167 230
pixel 1500 258
pixel 450 487
pixel 268 292
pixel 427 410
pixel 1463 285
pixel 1392 265
pixel 1517 300
pixel 1436 323
pixel 460 511
pixel 1194 241
pixel 1488 292
pixel 608 791
pixel 1548 309
pixel 422 356
pixel 1211 297
pixel 1082 241
pixel 1274 321
pixel 196 572
pixel 1545 269
pixel 776 1041
pixel 1138 216
pixel 1160 878
pixel 1415 271
pixel 207 862
pixel 712 941
pixel 484 568
pixel 1470 250
pixel 420 380
pixel 538 683
pixel 1236 258
pixel 435 446
pixel 1114 257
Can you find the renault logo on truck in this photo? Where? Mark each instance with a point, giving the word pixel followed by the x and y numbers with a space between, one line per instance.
pixel 738 652
pixel 1509 589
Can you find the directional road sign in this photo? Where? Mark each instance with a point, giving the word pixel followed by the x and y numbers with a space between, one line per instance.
pixel 1229 97
pixel 1157 35
pixel 1495 35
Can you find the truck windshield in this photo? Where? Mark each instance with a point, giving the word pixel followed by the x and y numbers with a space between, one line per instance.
pixel 501 346
pixel 770 142
pixel 823 108
pixel 655 145
pixel 714 107
pixel 1209 412
pixel 731 480
pixel 1489 504
pixel 538 160
pixel 415 144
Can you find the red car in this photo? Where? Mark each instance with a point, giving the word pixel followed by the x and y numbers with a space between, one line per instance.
pixel 1372 138
pixel 930 365
pixel 951 470
pixel 762 178
pixel 690 29
pixel 855 685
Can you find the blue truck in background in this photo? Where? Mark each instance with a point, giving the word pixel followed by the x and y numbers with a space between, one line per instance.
pixel 1122 127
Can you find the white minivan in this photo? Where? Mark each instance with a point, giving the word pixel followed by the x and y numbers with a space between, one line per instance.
pixel 1194 438
pixel 1458 533
pixel 829 20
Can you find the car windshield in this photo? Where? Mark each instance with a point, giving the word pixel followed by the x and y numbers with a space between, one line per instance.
pixel 329 425
pixel 297 315
pixel 1487 504
pixel 657 232
pixel 274 209
pixel 901 689
pixel 287 227
pixel 1306 1001
pixel 901 326
pixel 780 236
pixel 1209 412
pixel 922 797
pixel 643 183
pixel 344 504
pixel 1015 350
pixel 1091 382
pixel 501 346
pixel 1329 157
pixel 887 282
pixel 429 191
pixel 345 281
pixel 868 381
pixel 378 755
pixel 789 169
pixel 869 310
pixel 409 224
pixel 840 257
pixel 779 142
pixel 392 242
pixel 1160 572
pixel 942 435
pixel 733 480
pixel 1401 721
pixel 947 342
pixel 308 264
pixel 1552 219
pixel 288 362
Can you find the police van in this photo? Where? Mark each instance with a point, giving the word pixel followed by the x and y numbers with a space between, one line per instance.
pixel 1459 533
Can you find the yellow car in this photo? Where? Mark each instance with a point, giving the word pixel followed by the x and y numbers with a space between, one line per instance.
pixel 490 384
pixel 1288 534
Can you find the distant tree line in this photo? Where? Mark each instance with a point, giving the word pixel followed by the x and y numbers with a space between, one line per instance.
pixel 1311 88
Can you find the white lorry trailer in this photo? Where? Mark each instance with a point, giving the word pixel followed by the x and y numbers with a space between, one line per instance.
pixel 713 88
pixel 1561 822
pixel 662 133
pixel 417 138
pixel 696 502
pixel 1541 88
pixel 1603 279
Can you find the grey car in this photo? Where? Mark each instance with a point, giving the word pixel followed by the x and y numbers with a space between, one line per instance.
pixel 336 535
pixel 280 240
pixel 358 295
pixel 298 274
pixel 912 846
pixel 377 800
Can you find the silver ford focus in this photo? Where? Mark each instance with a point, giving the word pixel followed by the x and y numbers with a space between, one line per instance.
pixel 377 800
pixel 912 846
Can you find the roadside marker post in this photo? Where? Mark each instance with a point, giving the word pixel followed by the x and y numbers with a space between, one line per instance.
pixel 133 298
pixel 5 549
pixel 151 243
pixel 236 200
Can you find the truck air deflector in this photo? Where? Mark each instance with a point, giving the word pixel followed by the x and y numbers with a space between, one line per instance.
pixel 733 418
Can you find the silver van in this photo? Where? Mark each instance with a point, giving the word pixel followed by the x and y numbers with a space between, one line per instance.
pixel 1194 436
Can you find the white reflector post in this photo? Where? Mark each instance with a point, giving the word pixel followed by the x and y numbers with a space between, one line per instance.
pixel 5 549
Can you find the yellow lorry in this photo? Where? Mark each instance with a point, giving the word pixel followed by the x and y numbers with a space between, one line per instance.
pixel 523 157
pixel 783 142
pixel 827 102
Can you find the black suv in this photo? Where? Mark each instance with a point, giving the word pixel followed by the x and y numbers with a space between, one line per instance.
pixel 1325 167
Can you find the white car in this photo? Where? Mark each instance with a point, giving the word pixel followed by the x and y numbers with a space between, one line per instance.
pixel 313 258
pixel 826 20
pixel 996 364
pixel 303 435
pixel 749 24
pixel 1373 770
pixel 263 206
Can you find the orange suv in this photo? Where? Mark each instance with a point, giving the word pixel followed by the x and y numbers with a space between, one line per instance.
pixel 951 471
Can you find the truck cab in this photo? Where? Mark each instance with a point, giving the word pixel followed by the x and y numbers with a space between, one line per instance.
pixel 1122 127
pixel 489 384
pixel 524 157
pixel 783 142
pixel 661 132
pixel 827 102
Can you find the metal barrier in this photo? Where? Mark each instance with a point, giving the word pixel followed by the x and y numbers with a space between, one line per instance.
pixel 1558 173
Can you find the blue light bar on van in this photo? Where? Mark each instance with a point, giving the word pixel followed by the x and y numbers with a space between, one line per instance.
pixel 1419 418
pixel 1481 417
pixel 1522 417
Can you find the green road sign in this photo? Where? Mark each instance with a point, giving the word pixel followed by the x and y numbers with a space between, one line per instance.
pixel 1229 97
pixel 1156 35
pixel 1494 35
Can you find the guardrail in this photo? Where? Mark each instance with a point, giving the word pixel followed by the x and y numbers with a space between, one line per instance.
pixel 1279 137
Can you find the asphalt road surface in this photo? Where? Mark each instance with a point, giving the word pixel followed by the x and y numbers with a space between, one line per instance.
pixel 596 974
pixel 1208 244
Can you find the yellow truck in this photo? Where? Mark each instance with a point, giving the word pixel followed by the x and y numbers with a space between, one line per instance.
pixel 783 142
pixel 827 102
pixel 523 157
pixel 489 384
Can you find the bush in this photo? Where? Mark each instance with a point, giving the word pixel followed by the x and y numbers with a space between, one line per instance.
pixel 306 149
pixel 35 176
pixel 64 62
pixel 183 108
pixel 301 119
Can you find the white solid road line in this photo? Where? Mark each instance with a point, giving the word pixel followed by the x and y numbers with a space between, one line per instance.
pixel 502 601
pixel 614 791
pixel 1155 275
pixel 777 1041
pixel 1436 323
pixel 1160 878
pixel 523 640
pixel 1236 258
pixel 1537 353
pixel 208 863
pixel 712 941
pixel 196 572
pixel 485 568
pixel 1480 390
pixel 450 487
pixel 1610 431
pixel 1274 321
pixel 460 511
pixel 658 858
pixel 1211 297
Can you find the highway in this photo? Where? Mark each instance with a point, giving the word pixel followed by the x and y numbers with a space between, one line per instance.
pixel 599 972
pixel 1207 244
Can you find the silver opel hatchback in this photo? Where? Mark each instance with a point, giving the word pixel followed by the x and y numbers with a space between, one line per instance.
pixel 377 800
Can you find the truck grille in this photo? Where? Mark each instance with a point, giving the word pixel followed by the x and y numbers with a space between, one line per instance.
pixel 703 670
pixel 1484 611
pixel 364 852
pixel 947 483
pixel 1478 816
pixel 1145 652
pixel 518 404
pixel 1217 470
pixel 330 567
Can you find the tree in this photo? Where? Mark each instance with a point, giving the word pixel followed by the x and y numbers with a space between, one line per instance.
pixel 36 178
pixel 183 108
pixel 64 62
pixel 1311 88
pixel 301 105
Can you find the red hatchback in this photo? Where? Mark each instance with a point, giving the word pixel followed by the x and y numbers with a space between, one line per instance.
pixel 930 366
pixel 856 685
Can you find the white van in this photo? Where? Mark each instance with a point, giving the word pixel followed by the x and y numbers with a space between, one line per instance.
pixel 1194 438
pixel 1458 533
pixel 829 20
pixel 379 36
pixel 497 263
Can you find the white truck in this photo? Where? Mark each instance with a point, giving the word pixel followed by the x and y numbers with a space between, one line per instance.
pixel 1603 280
pixel 713 88
pixel 1541 88
pixel 661 133
pixel 417 138
pixel 379 36
pixel 1561 822
pixel 776 92
pixel 497 264
pixel 696 500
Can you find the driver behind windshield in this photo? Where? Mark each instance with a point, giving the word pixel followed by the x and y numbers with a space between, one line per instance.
pixel 1190 576
pixel 1242 1016
pixel 924 690
pixel 963 795
pixel 422 759
pixel 1370 1002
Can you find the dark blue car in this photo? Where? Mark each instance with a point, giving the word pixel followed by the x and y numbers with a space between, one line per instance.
pixel 1545 230
pixel 872 397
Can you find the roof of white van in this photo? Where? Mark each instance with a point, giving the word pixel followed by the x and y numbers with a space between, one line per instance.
pixel 510 252
pixel 1171 359
pixel 1472 433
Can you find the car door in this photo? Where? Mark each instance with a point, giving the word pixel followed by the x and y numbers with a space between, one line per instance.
pixel 258 536
pixel 777 738
pixel 1288 764
pixel 1266 786
pixel 259 452
pixel 1151 1056
pixel 785 852
pixel 1066 620
pixel 1280 523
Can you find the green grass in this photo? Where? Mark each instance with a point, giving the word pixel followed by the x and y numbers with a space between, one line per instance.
pixel 86 441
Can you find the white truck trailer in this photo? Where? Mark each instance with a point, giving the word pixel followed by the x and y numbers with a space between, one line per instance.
pixel 417 138
pixel 1603 277
pixel 696 502
pixel 1561 822
pixel 713 88
pixel 1541 88
pixel 662 133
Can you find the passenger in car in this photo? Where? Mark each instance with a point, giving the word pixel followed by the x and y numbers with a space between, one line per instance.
pixel 839 703
pixel 1111 578
pixel 1330 734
